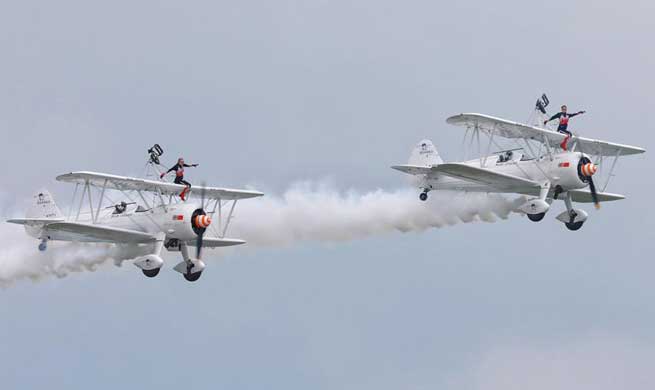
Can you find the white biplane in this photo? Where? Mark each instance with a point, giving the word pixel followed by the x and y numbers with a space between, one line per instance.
pixel 153 215
pixel 537 167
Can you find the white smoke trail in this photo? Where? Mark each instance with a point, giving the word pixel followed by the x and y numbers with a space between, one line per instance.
pixel 20 258
pixel 306 212
pixel 309 212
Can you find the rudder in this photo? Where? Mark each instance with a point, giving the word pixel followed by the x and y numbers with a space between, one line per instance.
pixel 425 154
pixel 43 206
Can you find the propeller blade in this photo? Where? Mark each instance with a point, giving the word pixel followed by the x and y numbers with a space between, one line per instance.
pixel 592 186
pixel 202 232
pixel 594 194
pixel 199 244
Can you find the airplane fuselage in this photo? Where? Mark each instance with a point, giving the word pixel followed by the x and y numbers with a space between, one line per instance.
pixel 174 220
pixel 561 171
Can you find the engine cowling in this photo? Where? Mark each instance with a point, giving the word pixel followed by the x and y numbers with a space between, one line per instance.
pixel 572 170
pixel 185 222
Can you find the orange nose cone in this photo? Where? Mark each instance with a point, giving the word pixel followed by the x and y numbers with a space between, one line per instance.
pixel 203 221
pixel 589 169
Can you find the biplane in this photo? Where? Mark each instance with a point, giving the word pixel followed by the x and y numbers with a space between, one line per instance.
pixel 536 167
pixel 149 213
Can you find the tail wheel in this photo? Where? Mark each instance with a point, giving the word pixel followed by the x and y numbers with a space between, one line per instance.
pixel 151 273
pixel 574 225
pixel 192 277
pixel 536 217
pixel 423 196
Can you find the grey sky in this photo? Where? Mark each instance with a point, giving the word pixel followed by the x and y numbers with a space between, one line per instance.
pixel 269 93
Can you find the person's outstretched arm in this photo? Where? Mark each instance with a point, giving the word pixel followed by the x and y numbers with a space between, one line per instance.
pixel 577 113
pixel 553 117
pixel 174 168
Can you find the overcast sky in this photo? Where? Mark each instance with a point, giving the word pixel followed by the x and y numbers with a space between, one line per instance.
pixel 272 93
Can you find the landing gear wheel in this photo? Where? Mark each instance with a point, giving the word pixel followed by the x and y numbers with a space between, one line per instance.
pixel 43 247
pixel 151 273
pixel 536 217
pixel 574 225
pixel 423 196
pixel 192 277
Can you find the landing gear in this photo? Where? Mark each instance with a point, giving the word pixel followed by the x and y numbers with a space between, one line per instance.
pixel 151 273
pixel 536 208
pixel 572 218
pixel 191 269
pixel 43 245
pixel 536 217
pixel 574 225
pixel 423 195
pixel 192 277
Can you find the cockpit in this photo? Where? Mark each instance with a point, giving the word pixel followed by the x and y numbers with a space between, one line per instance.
pixel 120 208
pixel 125 207
pixel 507 156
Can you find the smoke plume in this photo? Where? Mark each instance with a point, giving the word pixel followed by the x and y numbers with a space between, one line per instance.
pixel 305 212
pixel 310 212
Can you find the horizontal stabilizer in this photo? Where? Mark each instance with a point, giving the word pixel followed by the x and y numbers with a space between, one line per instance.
pixel 584 196
pixel 34 221
pixel 412 169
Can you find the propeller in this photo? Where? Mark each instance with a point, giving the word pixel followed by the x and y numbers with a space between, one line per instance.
pixel 206 219
pixel 586 170
pixel 594 194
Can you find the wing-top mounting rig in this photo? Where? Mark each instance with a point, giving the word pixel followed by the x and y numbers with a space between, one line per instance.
pixel 148 212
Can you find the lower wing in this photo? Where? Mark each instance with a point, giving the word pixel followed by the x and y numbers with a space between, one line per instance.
pixel 57 229
pixel 214 242
pixel 584 196
pixel 495 181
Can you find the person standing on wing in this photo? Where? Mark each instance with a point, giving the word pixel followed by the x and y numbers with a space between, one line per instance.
pixel 564 117
pixel 179 175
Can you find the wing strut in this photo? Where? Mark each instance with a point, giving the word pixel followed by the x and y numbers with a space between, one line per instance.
pixel 102 195
pixel 70 209
pixel 229 217
pixel 611 173
pixel 491 140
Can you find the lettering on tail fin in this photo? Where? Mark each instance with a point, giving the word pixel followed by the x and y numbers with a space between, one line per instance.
pixel 425 154
pixel 43 206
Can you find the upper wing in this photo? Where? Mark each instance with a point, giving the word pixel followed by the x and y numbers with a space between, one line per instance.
pixel 499 181
pixel 84 232
pixel 510 129
pixel 124 183
pixel 603 148
pixel 506 128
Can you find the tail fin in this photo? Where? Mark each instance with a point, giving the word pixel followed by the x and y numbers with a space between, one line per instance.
pixel 425 154
pixel 43 206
